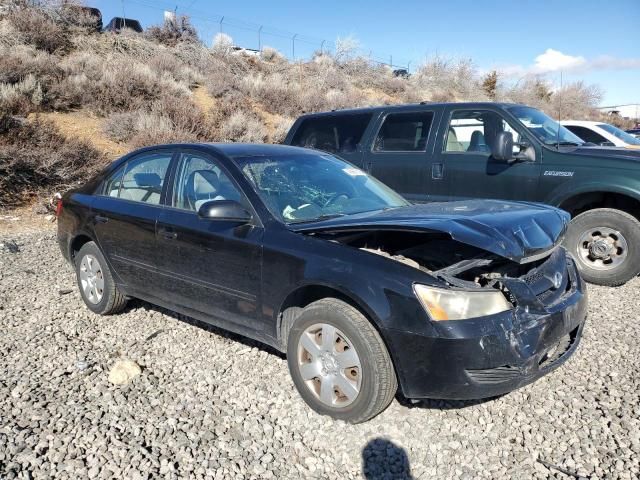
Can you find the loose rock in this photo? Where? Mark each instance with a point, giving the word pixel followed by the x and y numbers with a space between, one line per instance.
pixel 208 406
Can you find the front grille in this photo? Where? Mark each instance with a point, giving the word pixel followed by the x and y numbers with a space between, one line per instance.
pixel 550 280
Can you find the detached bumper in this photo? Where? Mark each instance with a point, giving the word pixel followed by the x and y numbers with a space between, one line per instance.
pixel 485 357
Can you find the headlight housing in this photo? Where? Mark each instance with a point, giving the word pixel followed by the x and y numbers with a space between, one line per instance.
pixel 444 304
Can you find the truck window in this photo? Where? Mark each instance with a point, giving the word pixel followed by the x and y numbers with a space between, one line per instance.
pixel 404 132
pixel 475 131
pixel 333 133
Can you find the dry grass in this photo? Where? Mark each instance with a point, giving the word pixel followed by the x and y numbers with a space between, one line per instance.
pixel 39 29
pixel 36 159
pixel 172 32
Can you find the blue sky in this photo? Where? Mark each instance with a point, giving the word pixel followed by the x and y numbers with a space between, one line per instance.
pixel 588 40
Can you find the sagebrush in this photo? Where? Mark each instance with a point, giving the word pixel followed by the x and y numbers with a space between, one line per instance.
pixel 149 88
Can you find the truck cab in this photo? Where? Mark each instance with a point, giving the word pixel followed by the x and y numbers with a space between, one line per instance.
pixel 432 152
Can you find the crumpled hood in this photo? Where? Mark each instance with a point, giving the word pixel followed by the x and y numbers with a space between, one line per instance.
pixel 514 230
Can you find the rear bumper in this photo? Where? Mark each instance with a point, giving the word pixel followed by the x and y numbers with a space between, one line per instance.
pixel 491 356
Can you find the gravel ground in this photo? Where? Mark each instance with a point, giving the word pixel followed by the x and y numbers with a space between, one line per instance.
pixel 211 405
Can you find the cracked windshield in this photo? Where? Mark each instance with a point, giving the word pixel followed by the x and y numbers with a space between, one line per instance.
pixel 311 187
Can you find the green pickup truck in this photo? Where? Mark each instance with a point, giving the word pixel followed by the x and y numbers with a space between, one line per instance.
pixel 432 152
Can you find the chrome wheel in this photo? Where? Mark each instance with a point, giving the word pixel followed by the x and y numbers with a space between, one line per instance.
pixel 329 365
pixel 91 279
pixel 602 248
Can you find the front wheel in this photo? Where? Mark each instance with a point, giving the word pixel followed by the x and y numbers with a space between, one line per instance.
pixel 339 363
pixel 606 245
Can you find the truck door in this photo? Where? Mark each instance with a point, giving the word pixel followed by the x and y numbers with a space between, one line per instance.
pixel 464 149
pixel 401 154
pixel 341 134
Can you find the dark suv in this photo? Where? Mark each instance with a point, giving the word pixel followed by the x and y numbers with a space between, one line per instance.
pixel 441 152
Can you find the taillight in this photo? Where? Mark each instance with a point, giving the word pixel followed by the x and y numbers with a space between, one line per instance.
pixel 59 207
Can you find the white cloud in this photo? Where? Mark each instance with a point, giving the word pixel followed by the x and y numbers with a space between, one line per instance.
pixel 553 61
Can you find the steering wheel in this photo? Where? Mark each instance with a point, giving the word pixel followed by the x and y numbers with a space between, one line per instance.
pixel 335 198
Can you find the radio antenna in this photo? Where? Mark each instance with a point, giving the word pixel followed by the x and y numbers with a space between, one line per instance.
pixel 559 113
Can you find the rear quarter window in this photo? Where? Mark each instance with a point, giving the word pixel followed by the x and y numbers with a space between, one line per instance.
pixel 334 134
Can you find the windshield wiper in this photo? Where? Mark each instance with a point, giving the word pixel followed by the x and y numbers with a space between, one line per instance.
pixel 565 143
pixel 325 216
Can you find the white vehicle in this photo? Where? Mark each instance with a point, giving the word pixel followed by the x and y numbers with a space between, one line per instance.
pixel 602 134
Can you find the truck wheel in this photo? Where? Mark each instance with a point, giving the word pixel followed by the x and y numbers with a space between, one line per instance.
pixel 606 244
pixel 95 281
pixel 339 363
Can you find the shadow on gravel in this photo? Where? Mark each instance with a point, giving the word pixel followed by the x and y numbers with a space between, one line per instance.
pixel 382 459
pixel 136 303
pixel 434 404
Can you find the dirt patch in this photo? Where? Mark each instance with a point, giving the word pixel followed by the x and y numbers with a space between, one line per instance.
pixel 203 100
pixel 378 97
pixel 84 126
pixel 24 220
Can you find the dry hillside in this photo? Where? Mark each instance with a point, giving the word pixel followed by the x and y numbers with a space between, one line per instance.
pixel 72 99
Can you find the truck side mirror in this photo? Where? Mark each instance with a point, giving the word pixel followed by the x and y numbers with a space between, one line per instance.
pixel 503 147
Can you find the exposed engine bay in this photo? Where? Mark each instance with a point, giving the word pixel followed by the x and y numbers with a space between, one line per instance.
pixel 456 263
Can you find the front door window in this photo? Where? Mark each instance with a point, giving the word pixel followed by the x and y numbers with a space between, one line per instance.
pixel 200 180
pixel 475 131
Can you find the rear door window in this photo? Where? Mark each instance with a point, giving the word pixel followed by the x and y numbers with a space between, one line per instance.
pixel 111 186
pixel 144 178
pixel 404 132
pixel 332 133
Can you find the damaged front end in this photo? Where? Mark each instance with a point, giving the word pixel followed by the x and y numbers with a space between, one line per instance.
pixel 488 355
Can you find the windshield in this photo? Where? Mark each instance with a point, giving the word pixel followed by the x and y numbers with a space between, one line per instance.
pixel 621 134
pixel 304 187
pixel 545 128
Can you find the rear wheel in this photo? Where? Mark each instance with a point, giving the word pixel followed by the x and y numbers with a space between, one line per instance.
pixel 606 244
pixel 339 363
pixel 95 281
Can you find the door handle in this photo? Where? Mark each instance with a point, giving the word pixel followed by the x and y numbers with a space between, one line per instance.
pixel 437 171
pixel 101 219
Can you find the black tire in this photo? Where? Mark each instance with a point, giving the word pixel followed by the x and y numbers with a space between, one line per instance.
pixel 617 220
pixel 378 383
pixel 112 300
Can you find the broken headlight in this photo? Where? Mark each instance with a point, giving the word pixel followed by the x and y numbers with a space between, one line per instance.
pixel 445 304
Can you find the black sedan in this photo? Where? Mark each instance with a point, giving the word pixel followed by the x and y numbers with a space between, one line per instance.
pixel 309 254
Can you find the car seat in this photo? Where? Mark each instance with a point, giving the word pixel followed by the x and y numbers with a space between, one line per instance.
pixel 477 143
pixel 453 145
pixel 202 186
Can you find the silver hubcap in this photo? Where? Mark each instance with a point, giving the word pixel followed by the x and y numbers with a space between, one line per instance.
pixel 329 365
pixel 91 279
pixel 602 248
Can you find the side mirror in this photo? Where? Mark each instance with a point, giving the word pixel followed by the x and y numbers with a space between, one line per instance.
pixel 503 147
pixel 607 144
pixel 224 210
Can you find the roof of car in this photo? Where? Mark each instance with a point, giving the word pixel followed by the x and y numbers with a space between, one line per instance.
pixel 254 149
pixel 581 123
pixel 413 106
